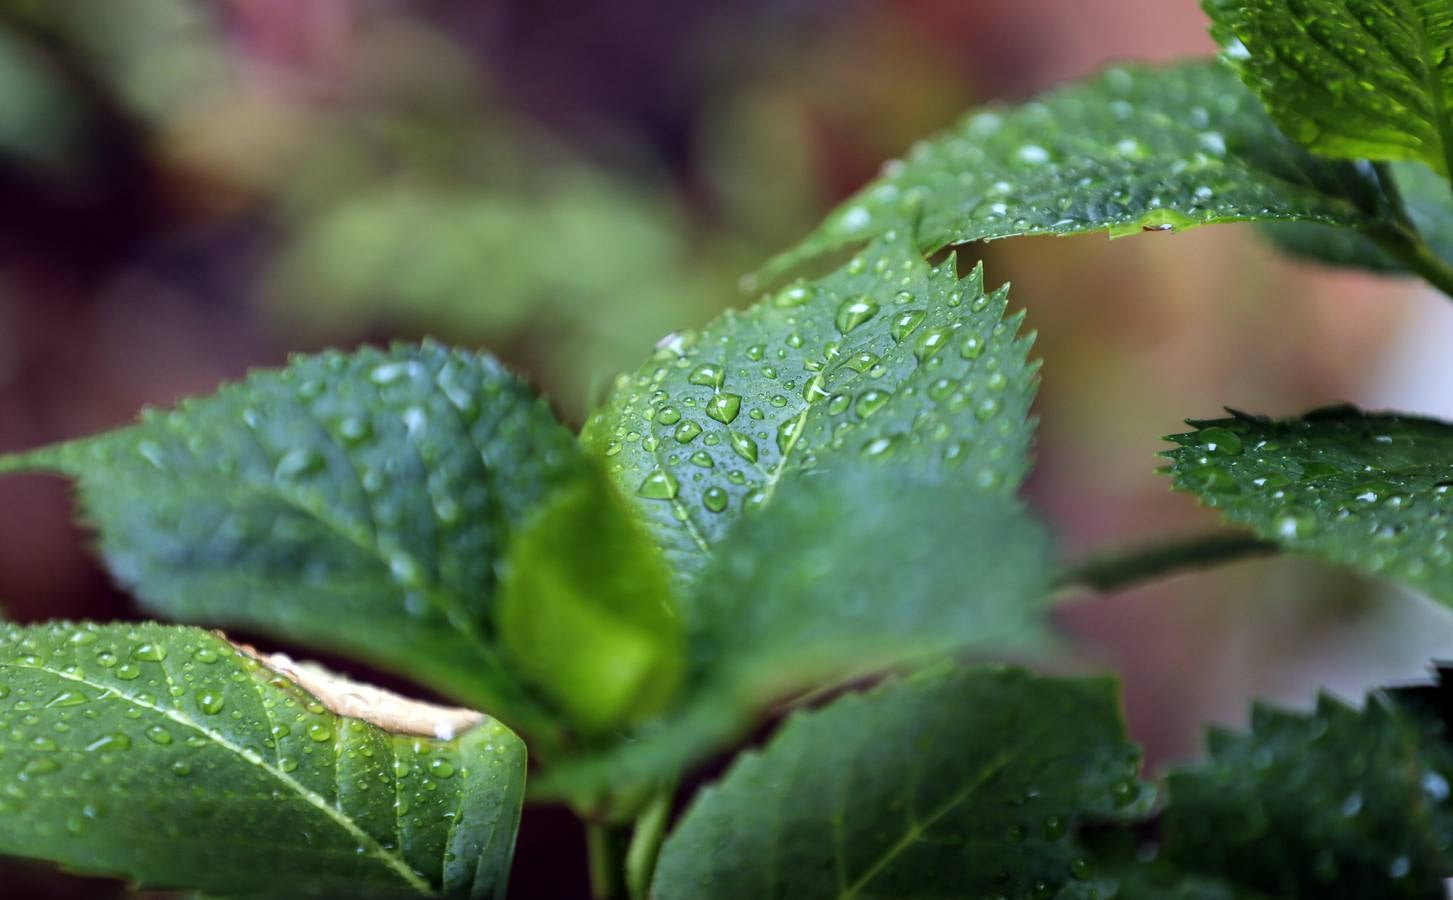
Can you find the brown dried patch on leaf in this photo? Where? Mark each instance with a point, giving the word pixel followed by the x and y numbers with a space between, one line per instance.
pixel 382 708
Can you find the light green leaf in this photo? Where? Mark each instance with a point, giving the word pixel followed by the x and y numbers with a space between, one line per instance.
pixel 1359 79
pixel 1335 803
pixel 1429 205
pixel 359 502
pixel 586 613
pixel 965 783
pixel 1368 491
pixel 168 756
pixel 886 359
pixel 1135 148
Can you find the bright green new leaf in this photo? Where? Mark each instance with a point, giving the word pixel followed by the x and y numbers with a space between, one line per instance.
pixel 887 359
pixel 1359 79
pixel 586 614
pixel 963 783
pixel 168 756
pixel 1133 149
pixel 360 502
pixel 1429 205
pixel 1368 491
pixel 1335 803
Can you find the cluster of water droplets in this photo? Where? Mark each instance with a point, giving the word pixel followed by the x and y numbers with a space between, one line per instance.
pixel 885 356
pixel 1372 491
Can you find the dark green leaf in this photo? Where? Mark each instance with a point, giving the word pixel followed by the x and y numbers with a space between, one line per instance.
pixel 358 501
pixel 1136 148
pixel 586 613
pixel 957 784
pixel 1368 491
pixel 168 756
pixel 1359 79
pixel 886 359
pixel 1335 804
pixel 1429 204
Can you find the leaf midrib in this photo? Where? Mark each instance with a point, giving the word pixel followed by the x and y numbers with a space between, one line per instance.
pixel 917 828
pixel 395 863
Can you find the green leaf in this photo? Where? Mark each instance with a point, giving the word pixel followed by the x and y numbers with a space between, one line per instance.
pixel 168 756
pixel 1335 803
pixel 966 783
pixel 359 502
pixel 858 569
pixel 586 613
pixel 1136 148
pixel 1429 205
pixel 1368 491
pixel 1359 79
pixel 887 359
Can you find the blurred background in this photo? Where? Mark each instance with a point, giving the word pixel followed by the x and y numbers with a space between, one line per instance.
pixel 190 189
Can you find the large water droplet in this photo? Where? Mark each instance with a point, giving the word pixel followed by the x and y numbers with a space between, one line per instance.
pixel 746 447
pixel 659 485
pixel 687 431
pixel 853 312
pixel 708 375
pixel 724 407
pixel 904 323
pixel 211 702
pixel 870 401
pixel 715 499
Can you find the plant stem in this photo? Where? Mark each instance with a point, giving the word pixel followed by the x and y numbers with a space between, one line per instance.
pixel 1406 245
pixel 1114 571
pixel 604 844
pixel 646 842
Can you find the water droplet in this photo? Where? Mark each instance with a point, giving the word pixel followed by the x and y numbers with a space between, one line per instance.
pixel 870 401
pixel 687 432
pixel 1123 793
pixel 708 375
pixel 320 733
pixel 659 485
pixel 128 672
pixel 180 768
pixel 904 323
pixel 205 655
pixel 702 458
pixel 297 463
pixel 82 638
pixel 669 415
pixel 67 698
pixel 746 447
pixel 853 312
pixel 929 343
pixel 42 765
pixel 724 407
pixel 793 295
pixel 107 743
pixel 158 735
pixel 211 702
pixel 861 361
pixel 838 404
pixel 149 652
pixel 1220 441
pixel 715 499
pixel 880 446
pixel 972 347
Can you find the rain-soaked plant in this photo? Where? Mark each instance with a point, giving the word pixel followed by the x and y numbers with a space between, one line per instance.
pixel 804 494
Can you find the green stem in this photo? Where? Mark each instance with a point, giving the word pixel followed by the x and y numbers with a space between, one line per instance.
pixel 1114 571
pixel 604 844
pixel 646 842
pixel 1406 245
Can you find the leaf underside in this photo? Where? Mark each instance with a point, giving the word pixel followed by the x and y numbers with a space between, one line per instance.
pixel 959 783
pixel 887 359
pixel 1135 148
pixel 166 755
pixel 1370 491
pixel 376 489
pixel 1348 78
